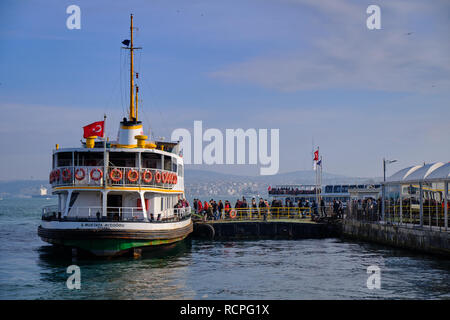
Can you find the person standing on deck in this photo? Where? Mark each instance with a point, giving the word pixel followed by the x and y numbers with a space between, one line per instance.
pixel 227 209
pixel 220 208
pixel 205 210
pixel 215 210
pixel 322 208
pixel 254 208
pixel 199 207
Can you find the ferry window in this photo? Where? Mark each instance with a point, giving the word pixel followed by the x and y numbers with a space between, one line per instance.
pixel 122 159
pixel 174 165
pixel 344 189
pixel 151 160
pixel 167 162
pixel 64 159
pixel 180 170
pixel 329 189
pixel 88 158
pixel 337 189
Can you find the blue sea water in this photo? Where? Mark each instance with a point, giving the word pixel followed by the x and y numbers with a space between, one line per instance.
pixel 194 269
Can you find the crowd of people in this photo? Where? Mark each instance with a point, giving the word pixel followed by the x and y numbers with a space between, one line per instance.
pixel 182 203
pixel 366 209
pixel 213 210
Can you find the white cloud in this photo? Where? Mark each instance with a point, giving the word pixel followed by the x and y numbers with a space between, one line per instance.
pixel 350 56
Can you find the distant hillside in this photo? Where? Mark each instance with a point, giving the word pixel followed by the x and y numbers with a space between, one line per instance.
pixel 203 183
pixel 295 177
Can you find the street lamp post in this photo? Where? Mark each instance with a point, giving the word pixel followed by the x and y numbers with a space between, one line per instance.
pixel 384 167
pixel 383 189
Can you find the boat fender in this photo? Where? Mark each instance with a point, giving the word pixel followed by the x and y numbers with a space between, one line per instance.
pixel 206 231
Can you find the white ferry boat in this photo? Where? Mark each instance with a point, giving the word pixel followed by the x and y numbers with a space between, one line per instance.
pixel 121 196
pixel 329 193
pixel 43 194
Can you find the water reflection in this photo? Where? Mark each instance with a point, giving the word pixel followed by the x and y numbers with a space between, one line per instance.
pixel 158 274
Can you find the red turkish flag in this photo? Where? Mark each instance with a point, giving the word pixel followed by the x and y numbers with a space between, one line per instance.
pixel 94 129
pixel 316 155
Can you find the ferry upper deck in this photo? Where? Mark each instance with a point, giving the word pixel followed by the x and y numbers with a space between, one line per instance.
pixel 90 168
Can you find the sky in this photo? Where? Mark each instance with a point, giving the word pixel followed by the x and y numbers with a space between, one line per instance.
pixel 310 68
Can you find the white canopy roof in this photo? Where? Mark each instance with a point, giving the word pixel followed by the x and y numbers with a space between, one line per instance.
pixel 438 171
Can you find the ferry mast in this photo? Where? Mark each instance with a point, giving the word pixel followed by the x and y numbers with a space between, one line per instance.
pixel 133 108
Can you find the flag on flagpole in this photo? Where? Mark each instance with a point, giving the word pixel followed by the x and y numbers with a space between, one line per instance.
pixel 94 129
pixel 316 158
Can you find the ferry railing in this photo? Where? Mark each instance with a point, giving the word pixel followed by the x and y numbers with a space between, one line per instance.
pixel 124 214
pixel 130 178
pixel 171 214
pixel 49 212
pixel 122 176
pixel 113 213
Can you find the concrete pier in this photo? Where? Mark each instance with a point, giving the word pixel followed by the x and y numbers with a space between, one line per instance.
pixel 275 229
pixel 426 240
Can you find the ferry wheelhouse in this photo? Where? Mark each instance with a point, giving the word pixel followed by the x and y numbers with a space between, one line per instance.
pixel 119 196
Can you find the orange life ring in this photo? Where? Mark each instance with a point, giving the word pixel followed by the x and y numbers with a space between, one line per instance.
pixel 147 176
pixel 115 175
pixel 133 175
pixel 175 178
pixel 100 174
pixel 83 174
pixel 232 216
pixel 66 174
pixel 165 176
pixel 158 176
pixel 51 177
pixel 56 174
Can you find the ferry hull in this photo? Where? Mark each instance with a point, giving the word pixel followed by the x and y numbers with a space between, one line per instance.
pixel 104 242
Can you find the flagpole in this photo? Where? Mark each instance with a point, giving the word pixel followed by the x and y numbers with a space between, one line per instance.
pixel 104 168
pixel 321 166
